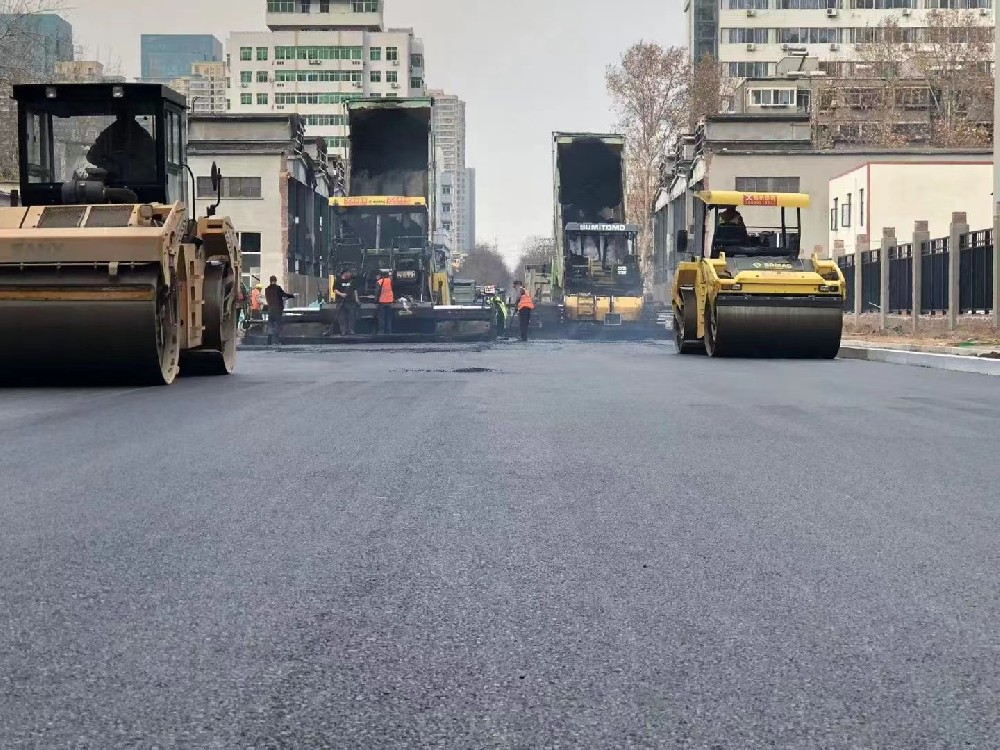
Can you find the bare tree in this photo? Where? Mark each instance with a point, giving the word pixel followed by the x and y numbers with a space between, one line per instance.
pixel 932 85
pixel 535 251
pixel 20 43
pixel 648 87
pixel 485 265
pixel 709 91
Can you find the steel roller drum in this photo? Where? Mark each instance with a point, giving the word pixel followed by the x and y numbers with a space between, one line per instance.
pixel 782 327
pixel 74 325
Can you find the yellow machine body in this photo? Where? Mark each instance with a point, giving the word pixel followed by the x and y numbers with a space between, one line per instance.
pixel 111 290
pixel 757 301
pixel 596 308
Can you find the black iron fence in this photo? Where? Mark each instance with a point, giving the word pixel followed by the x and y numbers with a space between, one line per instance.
pixel 975 276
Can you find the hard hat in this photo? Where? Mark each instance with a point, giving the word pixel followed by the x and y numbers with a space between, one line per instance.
pixel 260 286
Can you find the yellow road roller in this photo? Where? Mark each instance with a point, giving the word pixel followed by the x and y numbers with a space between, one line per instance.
pixel 746 292
pixel 104 276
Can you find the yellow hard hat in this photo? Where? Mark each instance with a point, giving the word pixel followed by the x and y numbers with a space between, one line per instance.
pixel 260 286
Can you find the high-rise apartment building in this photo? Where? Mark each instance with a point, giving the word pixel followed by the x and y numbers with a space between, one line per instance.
pixel 167 57
pixel 205 88
pixel 317 55
pixel 754 35
pixel 470 210
pixel 449 135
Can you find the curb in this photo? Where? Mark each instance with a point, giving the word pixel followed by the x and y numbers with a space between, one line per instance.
pixel 952 362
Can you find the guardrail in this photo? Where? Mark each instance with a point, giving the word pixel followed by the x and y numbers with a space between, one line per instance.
pixel 925 275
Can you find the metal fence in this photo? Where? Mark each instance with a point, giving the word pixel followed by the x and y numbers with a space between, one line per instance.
pixel 975 276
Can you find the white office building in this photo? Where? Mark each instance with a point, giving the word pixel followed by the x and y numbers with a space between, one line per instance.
pixel 449 135
pixel 205 89
pixel 317 55
pixel 753 36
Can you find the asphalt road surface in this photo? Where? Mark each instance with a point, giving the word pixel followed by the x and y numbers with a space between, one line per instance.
pixel 580 545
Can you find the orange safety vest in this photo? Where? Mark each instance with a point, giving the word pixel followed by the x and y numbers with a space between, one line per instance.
pixel 385 296
pixel 255 299
pixel 525 302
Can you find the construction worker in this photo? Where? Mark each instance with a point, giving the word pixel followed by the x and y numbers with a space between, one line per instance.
pixel 255 302
pixel 524 307
pixel 275 297
pixel 346 293
pixel 497 302
pixel 126 151
pixel 731 217
pixel 385 299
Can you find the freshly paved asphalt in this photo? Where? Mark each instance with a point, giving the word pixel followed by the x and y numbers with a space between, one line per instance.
pixel 590 545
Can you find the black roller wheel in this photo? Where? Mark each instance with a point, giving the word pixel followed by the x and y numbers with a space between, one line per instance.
pixel 713 345
pixel 686 339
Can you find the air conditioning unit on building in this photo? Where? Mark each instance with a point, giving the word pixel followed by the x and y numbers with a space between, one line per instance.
pixel 356 85
pixel 984 11
pixel 395 85
pixel 279 106
pixel 751 47
pixel 396 63
pixel 907 12
pixel 831 12
pixel 751 13
pixel 356 62
pixel 315 62
pixel 834 47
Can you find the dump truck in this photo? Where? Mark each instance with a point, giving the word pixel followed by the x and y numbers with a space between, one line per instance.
pixel 106 274
pixel 596 276
pixel 746 292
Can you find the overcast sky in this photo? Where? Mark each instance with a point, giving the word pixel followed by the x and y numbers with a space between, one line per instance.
pixel 524 67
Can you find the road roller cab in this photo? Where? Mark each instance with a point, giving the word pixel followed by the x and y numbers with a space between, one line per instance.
pixel 746 291
pixel 104 273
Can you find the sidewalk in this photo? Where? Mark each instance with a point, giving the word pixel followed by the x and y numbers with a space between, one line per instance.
pixel 983 359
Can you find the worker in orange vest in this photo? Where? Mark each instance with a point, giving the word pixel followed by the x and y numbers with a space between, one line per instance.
pixel 524 307
pixel 255 304
pixel 383 316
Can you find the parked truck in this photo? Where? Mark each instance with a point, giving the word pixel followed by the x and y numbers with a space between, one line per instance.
pixel 597 283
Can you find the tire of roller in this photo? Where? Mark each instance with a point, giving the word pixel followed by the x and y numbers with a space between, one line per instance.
pixel 772 332
pixel 93 342
pixel 217 355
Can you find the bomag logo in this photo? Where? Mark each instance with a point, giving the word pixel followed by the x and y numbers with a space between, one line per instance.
pixel 759 200
pixel 774 266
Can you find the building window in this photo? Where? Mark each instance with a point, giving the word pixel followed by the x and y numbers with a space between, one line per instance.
pixel 767 184
pixel 861 207
pixel 232 187
pixel 313 76
pixel 262 53
pixel 280 6
pixel 392 54
pixel 446 207
pixel 810 4
pixel 833 216
pixel 318 53
pixel 416 61
pixel 416 83
pixel 750 69
pixel 747 36
pixel 246 77
pixel 246 53
pixel 771 97
pixel 262 76
pixel 376 76
pixel 376 54
pixel 364 6
pixel 747 4
pixel 446 190
pixel 845 212
pixel 446 226
pixel 391 76
pixel 246 98
pixel 262 99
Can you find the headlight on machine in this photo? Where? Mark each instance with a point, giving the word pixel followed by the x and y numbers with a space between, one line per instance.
pixel 829 288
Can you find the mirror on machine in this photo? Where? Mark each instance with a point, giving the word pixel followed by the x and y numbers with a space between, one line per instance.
pixel 217 187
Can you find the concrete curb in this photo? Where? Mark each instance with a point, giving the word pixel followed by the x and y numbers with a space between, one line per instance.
pixel 960 351
pixel 952 362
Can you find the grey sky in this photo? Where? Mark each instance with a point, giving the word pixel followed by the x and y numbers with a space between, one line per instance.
pixel 525 68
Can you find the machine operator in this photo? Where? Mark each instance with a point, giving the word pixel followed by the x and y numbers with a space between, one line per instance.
pixel 126 151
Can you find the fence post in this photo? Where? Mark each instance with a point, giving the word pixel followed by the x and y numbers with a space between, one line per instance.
pixel 860 248
pixel 888 245
pixel 996 266
pixel 959 227
pixel 921 234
